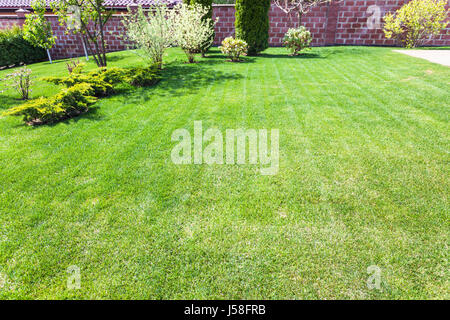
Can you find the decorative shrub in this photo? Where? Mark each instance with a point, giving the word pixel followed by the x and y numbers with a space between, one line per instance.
pixel 81 91
pixel 15 50
pixel 206 4
pixel 68 103
pixel 191 29
pixel 234 48
pixel 100 87
pixel 76 99
pixel 416 22
pixel 103 80
pixel 144 77
pixel 21 81
pixel 151 33
pixel 252 24
pixel 297 39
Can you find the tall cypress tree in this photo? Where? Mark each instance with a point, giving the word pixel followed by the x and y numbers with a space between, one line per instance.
pixel 252 24
pixel 208 4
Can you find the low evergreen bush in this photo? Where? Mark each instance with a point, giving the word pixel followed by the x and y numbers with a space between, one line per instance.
pixel 68 103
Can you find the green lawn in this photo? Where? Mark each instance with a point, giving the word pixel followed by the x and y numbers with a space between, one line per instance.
pixel 363 180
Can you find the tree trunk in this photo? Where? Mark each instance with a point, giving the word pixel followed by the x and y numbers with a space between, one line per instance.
pixel 300 16
pixel 102 41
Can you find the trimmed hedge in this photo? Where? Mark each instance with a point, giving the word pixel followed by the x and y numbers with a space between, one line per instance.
pixel 252 24
pixel 14 49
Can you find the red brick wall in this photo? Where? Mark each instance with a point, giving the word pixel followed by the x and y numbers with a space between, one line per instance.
pixel 70 45
pixel 342 23
pixel 352 25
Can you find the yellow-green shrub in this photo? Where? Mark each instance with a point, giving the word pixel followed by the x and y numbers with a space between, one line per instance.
pixel 81 91
pixel 67 103
pixel 416 22
pixel 143 77
pixel 101 87
pixel 103 80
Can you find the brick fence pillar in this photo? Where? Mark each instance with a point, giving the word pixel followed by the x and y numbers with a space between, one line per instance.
pixel 21 16
pixel 332 20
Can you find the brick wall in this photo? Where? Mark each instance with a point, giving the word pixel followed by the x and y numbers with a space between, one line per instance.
pixel 346 22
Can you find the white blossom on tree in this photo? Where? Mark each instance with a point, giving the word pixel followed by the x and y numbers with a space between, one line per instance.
pixel 151 31
pixel 190 28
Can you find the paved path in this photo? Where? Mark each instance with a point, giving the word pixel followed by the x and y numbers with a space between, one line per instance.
pixel 436 56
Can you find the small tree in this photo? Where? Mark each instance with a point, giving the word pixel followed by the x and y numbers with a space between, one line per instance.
pixel 91 18
pixel 252 24
pixel 37 30
pixel 416 22
pixel 300 7
pixel 207 4
pixel 153 34
pixel 191 30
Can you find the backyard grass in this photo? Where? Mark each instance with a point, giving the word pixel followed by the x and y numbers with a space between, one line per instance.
pixel 363 181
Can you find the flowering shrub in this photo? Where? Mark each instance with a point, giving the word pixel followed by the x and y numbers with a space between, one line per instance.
pixel 208 4
pixel 21 81
pixel 192 31
pixel 297 39
pixel 234 48
pixel 152 33
pixel 416 22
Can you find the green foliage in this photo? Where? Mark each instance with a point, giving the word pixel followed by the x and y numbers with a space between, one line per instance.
pixel 297 39
pixel 67 103
pixel 252 24
pixel 36 29
pixel 101 88
pixel 103 80
pixel 234 48
pixel 207 4
pixel 144 77
pixel 416 22
pixel 14 49
pixel 82 90
pixel 88 18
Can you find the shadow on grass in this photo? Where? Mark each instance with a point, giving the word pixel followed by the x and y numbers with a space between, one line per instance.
pixel 287 56
pixel 116 58
pixel 7 102
pixel 182 79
